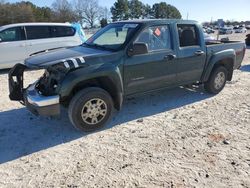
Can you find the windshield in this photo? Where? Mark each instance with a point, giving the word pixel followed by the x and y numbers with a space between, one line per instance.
pixel 113 37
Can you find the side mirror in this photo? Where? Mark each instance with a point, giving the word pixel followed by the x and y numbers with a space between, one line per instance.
pixel 138 49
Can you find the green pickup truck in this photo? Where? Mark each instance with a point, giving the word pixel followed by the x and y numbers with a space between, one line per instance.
pixel 124 59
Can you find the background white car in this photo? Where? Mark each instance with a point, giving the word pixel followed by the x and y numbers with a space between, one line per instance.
pixel 19 41
pixel 209 38
pixel 226 30
pixel 241 30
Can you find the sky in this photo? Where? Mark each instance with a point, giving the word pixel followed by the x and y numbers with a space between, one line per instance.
pixel 237 10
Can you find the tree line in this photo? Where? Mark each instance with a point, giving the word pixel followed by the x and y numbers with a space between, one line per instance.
pixel 135 9
pixel 88 12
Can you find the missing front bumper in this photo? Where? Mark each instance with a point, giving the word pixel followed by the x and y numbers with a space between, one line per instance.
pixel 30 97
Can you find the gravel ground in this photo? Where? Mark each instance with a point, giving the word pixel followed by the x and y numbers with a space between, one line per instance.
pixel 177 138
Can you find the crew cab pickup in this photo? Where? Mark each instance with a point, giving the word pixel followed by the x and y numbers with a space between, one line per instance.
pixel 124 59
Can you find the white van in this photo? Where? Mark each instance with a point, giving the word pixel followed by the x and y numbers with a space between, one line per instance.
pixel 19 41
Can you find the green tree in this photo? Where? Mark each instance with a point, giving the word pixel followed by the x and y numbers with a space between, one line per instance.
pixel 147 11
pixel 120 10
pixel 135 9
pixel 24 11
pixel 103 22
pixel 164 10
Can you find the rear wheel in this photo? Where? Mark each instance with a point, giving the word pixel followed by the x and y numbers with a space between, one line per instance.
pixel 217 80
pixel 90 109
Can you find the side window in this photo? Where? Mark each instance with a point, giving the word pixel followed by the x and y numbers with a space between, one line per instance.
pixel 156 37
pixel 37 32
pixel 188 35
pixel 12 34
pixel 62 31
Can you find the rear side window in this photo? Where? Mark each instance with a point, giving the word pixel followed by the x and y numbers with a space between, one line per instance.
pixel 37 32
pixel 62 31
pixel 12 34
pixel 188 35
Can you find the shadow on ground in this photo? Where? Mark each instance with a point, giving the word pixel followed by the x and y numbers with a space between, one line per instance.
pixel 22 134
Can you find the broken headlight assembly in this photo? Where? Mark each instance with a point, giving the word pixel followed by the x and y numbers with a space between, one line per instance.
pixel 48 84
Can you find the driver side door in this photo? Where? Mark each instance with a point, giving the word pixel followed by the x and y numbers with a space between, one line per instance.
pixel 155 69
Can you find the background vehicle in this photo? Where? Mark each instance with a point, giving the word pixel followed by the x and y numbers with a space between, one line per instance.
pixel 225 30
pixel 209 30
pixel 209 38
pixel 241 30
pixel 121 60
pixel 248 27
pixel 19 41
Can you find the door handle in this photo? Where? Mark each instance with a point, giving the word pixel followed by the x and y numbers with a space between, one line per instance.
pixel 169 57
pixel 22 45
pixel 199 52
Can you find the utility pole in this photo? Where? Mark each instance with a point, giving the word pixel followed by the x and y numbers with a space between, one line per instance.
pixel 187 15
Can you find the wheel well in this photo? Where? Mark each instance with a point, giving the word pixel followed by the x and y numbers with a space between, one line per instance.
pixel 228 64
pixel 103 82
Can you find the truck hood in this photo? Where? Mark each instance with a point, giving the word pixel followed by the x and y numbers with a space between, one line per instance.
pixel 73 55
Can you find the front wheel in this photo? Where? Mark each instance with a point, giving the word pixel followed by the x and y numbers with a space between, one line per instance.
pixel 217 80
pixel 90 109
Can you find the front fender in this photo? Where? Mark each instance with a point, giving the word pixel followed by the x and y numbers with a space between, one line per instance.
pixel 110 71
pixel 228 55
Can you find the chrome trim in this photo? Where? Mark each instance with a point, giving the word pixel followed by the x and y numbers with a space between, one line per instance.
pixel 36 99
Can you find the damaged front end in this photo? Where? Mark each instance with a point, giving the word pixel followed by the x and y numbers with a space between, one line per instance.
pixel 48 84
pixel 41 97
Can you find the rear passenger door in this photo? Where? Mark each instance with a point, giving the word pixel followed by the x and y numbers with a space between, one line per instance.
pixel 191 53
pixel 39 39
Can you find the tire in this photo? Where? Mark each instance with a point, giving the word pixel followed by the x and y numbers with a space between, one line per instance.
pixel 217 80
pixel 90 109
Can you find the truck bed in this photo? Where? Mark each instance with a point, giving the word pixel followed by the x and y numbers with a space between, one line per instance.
pixel 217 46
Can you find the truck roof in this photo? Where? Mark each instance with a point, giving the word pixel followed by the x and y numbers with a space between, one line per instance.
pixel 155 21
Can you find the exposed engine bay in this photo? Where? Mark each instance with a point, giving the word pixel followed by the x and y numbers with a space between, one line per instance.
pixel 47 85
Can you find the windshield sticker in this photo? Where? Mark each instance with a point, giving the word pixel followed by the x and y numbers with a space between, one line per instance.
pixel 157 32
pixel 130 25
